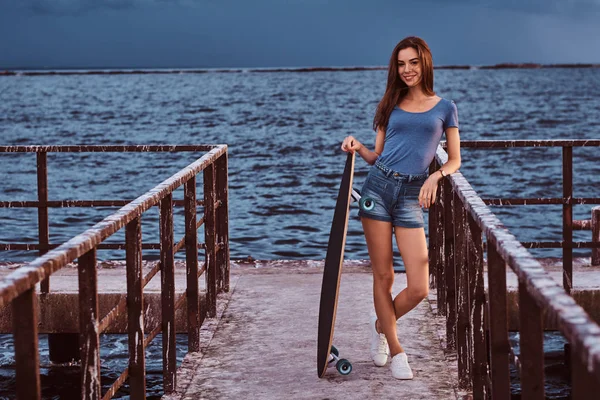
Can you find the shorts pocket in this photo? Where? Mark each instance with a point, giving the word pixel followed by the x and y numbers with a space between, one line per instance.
pixel 412 190
pixel 376 182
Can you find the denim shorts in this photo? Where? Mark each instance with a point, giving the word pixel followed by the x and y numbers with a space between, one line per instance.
pixel 395 197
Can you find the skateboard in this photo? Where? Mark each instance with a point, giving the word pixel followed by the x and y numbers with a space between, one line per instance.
pixel 327 354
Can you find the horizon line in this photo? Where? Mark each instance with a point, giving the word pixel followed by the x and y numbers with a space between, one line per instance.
pixel 172 70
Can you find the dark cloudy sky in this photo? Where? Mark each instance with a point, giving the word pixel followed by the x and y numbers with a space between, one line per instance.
pixel 287 33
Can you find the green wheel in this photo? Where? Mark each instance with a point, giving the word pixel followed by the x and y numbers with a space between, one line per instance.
pixel 366 203
pixel 335 351
pixel 343 366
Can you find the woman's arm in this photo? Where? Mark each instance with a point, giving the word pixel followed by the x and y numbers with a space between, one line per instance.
pixel 350 144
pixel 428 192
pixel 453 148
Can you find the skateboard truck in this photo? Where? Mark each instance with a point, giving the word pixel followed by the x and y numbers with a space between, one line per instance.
pixel 365 203
pixel 343 366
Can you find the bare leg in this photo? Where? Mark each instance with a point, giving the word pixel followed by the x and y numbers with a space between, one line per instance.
pixel 378 235
pixel 413 247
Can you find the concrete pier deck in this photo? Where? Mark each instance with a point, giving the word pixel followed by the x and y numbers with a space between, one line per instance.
pixel 263 342
pixel 262 345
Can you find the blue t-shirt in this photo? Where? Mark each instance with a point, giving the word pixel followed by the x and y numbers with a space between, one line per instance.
pixel 411 139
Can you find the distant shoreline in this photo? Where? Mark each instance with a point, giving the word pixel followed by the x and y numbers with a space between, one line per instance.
pixel 134 71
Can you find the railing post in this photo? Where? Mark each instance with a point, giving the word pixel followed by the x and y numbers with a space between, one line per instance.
pixel 210 240
pixel 584 386
pixel 88 326
pixel 223 223
pixel 43 225
pixel 477 304
pixel 440 251
pixel 191 257
pixel 433 238
pixel 463 320
pixel 596 235
pixel 168 293
pixel 27 357
pixel 567 218
pixel 135 309
pixel 498 321
pixel 531 345
pixel 449 266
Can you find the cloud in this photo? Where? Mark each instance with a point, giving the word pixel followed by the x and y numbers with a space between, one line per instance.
pixel 549 7
pixel 78 7
pixel 541 7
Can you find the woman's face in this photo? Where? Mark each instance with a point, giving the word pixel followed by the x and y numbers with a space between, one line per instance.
pixel 409 67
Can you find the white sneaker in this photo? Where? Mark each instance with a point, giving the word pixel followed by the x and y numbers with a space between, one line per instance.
pixel 400 368
pixel 379 345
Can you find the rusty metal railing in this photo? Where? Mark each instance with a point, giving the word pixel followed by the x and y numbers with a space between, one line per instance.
pixel 18 288
pixel 567 201
pixel 476 325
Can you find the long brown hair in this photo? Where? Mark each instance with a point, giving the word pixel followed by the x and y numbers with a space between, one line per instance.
pixel 396 89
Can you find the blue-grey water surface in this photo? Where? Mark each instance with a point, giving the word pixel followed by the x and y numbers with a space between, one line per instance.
pixel 283 130
pixel 64 381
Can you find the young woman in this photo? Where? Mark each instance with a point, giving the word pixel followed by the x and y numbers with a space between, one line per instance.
pixel 409 121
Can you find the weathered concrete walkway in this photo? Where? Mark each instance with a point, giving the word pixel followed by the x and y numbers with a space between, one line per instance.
pixel 263 343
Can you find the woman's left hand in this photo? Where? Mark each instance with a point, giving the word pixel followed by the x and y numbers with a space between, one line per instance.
pixel 428 192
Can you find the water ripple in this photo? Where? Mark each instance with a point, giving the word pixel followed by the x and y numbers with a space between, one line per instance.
pixel 283 132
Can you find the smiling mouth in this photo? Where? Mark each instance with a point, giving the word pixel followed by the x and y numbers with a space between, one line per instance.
pixel 409 77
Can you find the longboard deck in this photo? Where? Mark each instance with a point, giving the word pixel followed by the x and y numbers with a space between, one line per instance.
pixel 333 268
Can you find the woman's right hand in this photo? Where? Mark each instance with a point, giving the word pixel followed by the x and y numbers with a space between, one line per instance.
pixel 350 144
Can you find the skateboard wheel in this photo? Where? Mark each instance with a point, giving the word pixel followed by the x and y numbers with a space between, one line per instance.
pixel 366 203
pixel 335 351
pixel 343 366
